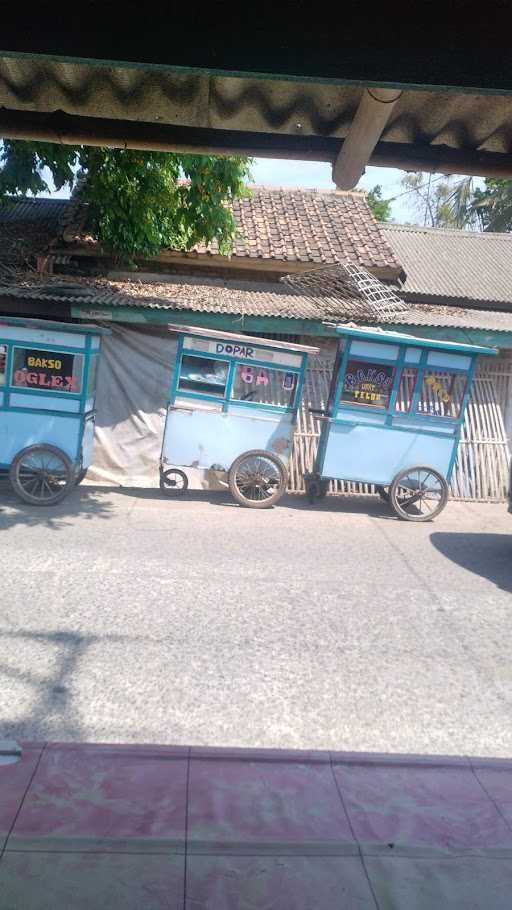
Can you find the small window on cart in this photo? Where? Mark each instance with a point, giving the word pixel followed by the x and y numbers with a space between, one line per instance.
pixel 93 374
pixel 261 385
pixel 442 394
pixel 203 376
pixel 47 371
pixel 3 363
pixel 367 384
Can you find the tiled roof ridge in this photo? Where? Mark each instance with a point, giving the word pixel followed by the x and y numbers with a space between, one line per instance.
pixel 310 190
pixel 455 232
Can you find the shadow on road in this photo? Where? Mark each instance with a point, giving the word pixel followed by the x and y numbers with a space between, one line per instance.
pixel 369 505
pixel 83 501
pixel 52 713
pixel 222 497
pixel 488 555
pixel 351 504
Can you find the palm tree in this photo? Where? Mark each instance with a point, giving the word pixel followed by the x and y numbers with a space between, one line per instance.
pixel 459 203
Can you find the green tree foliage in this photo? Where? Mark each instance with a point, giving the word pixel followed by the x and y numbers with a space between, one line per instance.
pixel 458 202
pixel 493 204
pixel 139 201
pixel 380 207
pixel 434 200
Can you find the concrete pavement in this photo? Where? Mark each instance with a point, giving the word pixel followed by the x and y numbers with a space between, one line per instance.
pixel 131 618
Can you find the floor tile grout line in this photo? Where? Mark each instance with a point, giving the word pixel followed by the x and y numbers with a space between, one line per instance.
pixel 20 807
pixel 259 855
pixel 185 857
pixel 48 852
pixel 489 797
pixel 352 831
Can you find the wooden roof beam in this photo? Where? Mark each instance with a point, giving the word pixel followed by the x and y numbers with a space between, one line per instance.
pixel 372 115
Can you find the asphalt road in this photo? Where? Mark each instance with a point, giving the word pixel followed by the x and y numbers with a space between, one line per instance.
pixel 126 617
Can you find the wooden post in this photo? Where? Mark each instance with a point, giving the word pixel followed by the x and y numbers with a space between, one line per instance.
pixel 374 111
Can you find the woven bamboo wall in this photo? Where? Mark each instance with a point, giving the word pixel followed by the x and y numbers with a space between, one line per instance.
pixel 481 471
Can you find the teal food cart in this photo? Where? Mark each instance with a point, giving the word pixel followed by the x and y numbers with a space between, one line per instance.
pixel 393 417
pixel 48 374
pixel 232 412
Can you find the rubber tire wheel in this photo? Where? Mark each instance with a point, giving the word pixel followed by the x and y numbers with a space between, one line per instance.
pixel 33 500
pixel 396 483
pixel 383 493
pixel 279 490
pixel 80 476
pixel 173 491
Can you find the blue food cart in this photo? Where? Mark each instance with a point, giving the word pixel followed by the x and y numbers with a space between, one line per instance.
pixel 231 416
pixel 393 417
pixel 47 395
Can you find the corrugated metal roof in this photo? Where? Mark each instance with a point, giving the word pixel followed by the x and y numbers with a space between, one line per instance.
pixel 453 317
pixel 29 210
pixel 452 264
pixel 203 110
pixel 245 298
pixel 200 295
pixel 27 227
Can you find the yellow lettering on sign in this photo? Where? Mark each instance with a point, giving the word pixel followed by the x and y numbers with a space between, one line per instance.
pixel 44 363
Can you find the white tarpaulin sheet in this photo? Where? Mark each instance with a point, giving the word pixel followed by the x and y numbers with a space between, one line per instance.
pixel 133 390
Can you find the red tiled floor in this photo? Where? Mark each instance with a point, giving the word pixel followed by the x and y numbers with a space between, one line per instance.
pixel 91 881
pixel 14 780
pixel 441 883
pixel 106 798
pixel 262 806
pixel 277 883
pixel 496 778
pixel 415 805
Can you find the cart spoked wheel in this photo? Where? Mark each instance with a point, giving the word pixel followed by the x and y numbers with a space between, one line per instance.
pixel 418 494
pixel 383 493
pixel 257 479
pixel 42 475
pixel 173 482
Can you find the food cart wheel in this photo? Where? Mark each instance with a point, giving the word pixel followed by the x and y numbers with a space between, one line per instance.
pixel 383 493
pixel 173 481
pixel 419 493
pixel 42 475
pixel 257 479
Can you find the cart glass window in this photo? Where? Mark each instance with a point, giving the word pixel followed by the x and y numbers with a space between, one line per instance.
pixel 261 385
pixel 93 371
pixel 368 384
pixel 47 371
pixel 203 375
pixel 406 388
pixel 3 363
pixel 442 394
